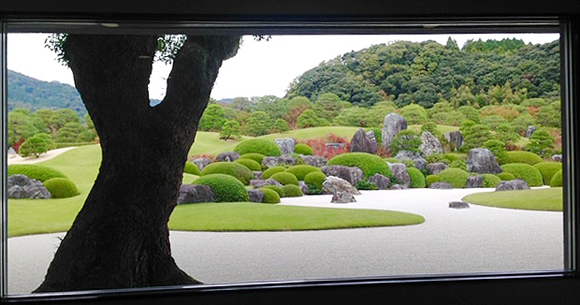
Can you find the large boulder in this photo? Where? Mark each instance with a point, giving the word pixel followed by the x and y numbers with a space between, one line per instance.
pixel 318 161
pixel 436 168
pixel 332 185
pixel 303 187
pixel 22 187
pixel 431 145
pixel 362 142
pixel 482 161
pixel 201 162
pixel 474 182
pixel 420 162
pixel 258 183
pixel 351 174
pixel 380 181
pixel 256 195
pixel 510 185
pixel 229 156
pixel 400 173
pixel 342 197
pixel 455 138
pixel 392 125
pixel 193 193
pixel 275 161
pixel 286 145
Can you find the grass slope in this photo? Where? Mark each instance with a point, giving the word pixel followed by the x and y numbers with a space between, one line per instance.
pixel 545 199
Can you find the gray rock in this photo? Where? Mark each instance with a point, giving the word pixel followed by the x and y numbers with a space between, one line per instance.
pixel 16 192
pixel 380 181
pixel 11 151
pixel 274 161
pixel 318 161
pixel 20 180
pixel 201 162
pixel 400 173
pixel 350 174
pixel 436 168
pixel 431 145
pixel 420 162
pixel 441 186
pixel 530 131
pixel 557 158
pixel 229 156
pixel 303 187
pixel 22 187
pixel 342 197
pixel 334 184
pixel 458 205
pixel 193 193
pixel 36 190
pixel 482 161
pixel 397 187
pixel 335 145
pixel 258 174
pixel 474 182
pixel 392 125
pixel 361 142
pixel 455 138
pixel 258 183
pixel 286 145
pixel 256 195
pixel 510 185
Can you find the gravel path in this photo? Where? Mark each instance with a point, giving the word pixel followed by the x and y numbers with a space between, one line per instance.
pixel 478 239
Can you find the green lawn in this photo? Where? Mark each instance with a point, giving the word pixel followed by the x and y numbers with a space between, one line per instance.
pixel 546 199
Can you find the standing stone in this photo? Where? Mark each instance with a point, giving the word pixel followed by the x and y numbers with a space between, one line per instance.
pixel 361 142
pixel 392 125
pixel 193 193
pixel 530 131
pixel 431 145
pixel 400 173
pixel 380 181
pixel 229 156
pixel 286 145
pixel 201 162
pixel 351 174
pixel 333 185
pixel 516 184
pixel 318 161
pixel 436 168
pixel 420 162
pixel 455 138
pixel 342 197
pixel 482 161
pixel 256 195
pixel 474 182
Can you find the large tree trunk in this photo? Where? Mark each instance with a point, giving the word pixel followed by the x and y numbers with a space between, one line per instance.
pixel 120 238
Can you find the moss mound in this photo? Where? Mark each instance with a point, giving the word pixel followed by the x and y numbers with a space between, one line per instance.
pixel 35 171
pixel 275 188
pixel 303 149
pixel 558 179
pixel 526 172
pixel 270 196
pixel 417 178
pixel 456 177
pixel 548 170
pixel 233 169
pixel 490 180
pixel 191 168
pixel 272 170
pixel 261 146
pixel 300 171
pixel 314 180
pixel 254 156
pixel 285 178
pixel 225 187
pixel 291 190
pixel 61 187
pixel 432 179
pixel 506 176
pixel 250 164
pixel 368 163
pixel 522 157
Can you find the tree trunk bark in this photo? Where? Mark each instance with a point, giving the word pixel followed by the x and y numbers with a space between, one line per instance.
pixel 120 238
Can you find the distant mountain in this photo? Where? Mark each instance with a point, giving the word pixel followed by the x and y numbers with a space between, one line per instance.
pixel 226 101
pixel 34 94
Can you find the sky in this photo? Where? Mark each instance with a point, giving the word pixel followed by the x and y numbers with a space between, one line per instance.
pixel 259 68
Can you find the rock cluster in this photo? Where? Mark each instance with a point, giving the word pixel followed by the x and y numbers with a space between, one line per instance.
pixel 350 174
pixel 400 173
pixel 363 142
pixel 516 184
pixel 22 187
pixel 332 185
pixel 194 193
pixel 229 156
pixel 431 145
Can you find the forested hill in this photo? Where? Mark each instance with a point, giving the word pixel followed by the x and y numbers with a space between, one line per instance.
pixel 34 94
pixel 421 73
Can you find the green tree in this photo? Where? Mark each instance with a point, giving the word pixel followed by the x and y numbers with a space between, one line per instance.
pixel 36 145
pixel 329 105
pixel 72 132
pixel 258 123
pixel 61 117
pixel 230 130
pixel 308 118
pixel 213 118
pixel 541 143
pixel 476 136
pixel 506 134
pixel 296 106
pixel 281 126
pixel 414 114
pixel 497 147
pixel 549 116
pixel 355 116
pixel 522 122
pixel 470 113
pixel 405 140
pixel 20 127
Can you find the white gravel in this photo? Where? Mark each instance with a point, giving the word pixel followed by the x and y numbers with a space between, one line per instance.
pixel 474 240
pixel 16 159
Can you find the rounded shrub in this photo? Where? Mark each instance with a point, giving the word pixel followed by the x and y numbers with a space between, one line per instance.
pixel 303 149
pixel 300 171
pixel 270 196
pixel 61 187
pixel 291 190
pixel 261 146
pixel 250 164
pixel 392 160
pixel 272 170
pixel 35 171
pixel 365 185
pixel 370 164
pixel 548 170
pixel 225 187
pixel 285 178
pixel 558 179
pixel 506 176
pixel 417 178
pixel 254 156
pixel 233 169
pixel 490 180
pixel 191 168
pixel 314 180
pixel 456 177
pixel 276 189
pixel 432 179
pixel 526 172
pixel 519 156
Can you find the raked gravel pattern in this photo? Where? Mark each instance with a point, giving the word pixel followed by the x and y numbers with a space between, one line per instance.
pixel 450 241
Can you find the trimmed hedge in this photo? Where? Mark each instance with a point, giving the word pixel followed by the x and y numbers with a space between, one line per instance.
pixel 526 172
pixel 506 176
pixel 254 156
pixel 456 177
pixel 233 169
pixel 270 196
pixel 61 187
pixel 261 146
pixel 548 170
pixel 490 180
pixel 520 156
pixel 276 189
pixel 432 179
pixel 250 164
pixel 291 190
pixel 417 178
pixel 225 187
pixel 303 149
pixel 285 178
pixel 558 179
pixel 272 170
pixel 35 171
pixel 300 171
pixel 370 164
pixel 315 179
pixel 191 168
